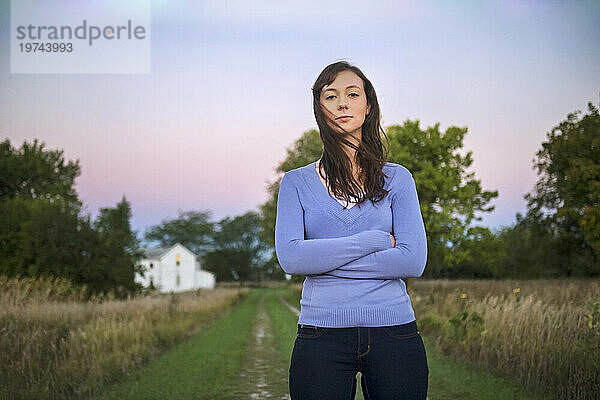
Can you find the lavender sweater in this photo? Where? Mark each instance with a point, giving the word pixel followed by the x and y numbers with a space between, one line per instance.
pixel 352 271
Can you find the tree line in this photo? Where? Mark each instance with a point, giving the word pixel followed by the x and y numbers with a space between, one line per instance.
pixel 44 232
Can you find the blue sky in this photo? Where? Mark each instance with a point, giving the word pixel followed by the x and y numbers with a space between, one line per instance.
pixel 230 86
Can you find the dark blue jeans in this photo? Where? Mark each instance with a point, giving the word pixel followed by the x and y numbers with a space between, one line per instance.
pixel 391 359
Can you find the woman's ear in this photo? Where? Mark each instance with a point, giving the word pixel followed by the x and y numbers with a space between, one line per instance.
pixel 368 109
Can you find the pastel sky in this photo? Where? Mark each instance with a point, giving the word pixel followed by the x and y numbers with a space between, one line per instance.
pixel 229 90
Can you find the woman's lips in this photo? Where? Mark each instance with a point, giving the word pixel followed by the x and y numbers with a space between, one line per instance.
pixel 344 119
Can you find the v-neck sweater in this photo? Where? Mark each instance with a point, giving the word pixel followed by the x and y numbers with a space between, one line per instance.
pixel 352 272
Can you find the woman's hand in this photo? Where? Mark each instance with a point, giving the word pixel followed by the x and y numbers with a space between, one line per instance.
pixel 393 240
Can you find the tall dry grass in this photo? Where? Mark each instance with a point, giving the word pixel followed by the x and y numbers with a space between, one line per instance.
pixel 53 345
pixel 544 333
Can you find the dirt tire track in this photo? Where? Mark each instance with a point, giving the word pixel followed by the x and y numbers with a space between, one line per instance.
pixel 262 378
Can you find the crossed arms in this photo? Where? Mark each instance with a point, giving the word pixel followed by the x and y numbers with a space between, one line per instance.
pixel 364 255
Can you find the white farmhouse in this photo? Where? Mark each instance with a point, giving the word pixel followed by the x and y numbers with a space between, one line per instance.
pixel 174 269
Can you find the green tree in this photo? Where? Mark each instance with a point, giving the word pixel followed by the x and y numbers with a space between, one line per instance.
pixel 42 231
pixel 192 229
pixel 239 252
pixel 120 249
pixel 38 237
pixel 449 196
pixel 485 254
pixel 566 198
pixel 532 250
pixel 42 238
pixel 32 172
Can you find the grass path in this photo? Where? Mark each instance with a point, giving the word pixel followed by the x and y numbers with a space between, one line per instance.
pixel 246 355
pixel 264 373
pixel 235 357
pixel 204 366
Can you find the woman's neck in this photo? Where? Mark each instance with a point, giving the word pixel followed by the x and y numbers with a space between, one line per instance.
pixel 355 172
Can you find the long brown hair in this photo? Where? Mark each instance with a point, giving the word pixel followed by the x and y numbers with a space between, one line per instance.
pixel 371 154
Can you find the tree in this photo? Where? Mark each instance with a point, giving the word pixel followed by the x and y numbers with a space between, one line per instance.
pixel 120 247
pixel 239 251
pixel 38 237
pixel 32 172
pixel 448 195
pixel 43 233
pixel 566 197
pixel 192 229
pixel 39 233
pixel 485 255
pixel 532 250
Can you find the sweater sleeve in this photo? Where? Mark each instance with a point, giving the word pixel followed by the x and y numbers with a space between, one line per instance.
pixel 409 256
pixel 300 256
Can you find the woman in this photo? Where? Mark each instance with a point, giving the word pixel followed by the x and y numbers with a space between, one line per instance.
pixel 351 223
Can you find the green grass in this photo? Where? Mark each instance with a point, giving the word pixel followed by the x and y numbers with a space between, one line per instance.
pixel 284 323
pixel 451 379
pixel 204 366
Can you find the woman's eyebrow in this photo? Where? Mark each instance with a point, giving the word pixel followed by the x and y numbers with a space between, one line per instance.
pixel 335 90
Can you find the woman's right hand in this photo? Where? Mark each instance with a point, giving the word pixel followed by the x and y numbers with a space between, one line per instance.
pixel 393 240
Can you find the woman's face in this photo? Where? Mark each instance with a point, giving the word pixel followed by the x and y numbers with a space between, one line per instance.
pixel 345 96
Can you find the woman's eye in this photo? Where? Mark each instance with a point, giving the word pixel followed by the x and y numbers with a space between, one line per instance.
pixel 351 94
